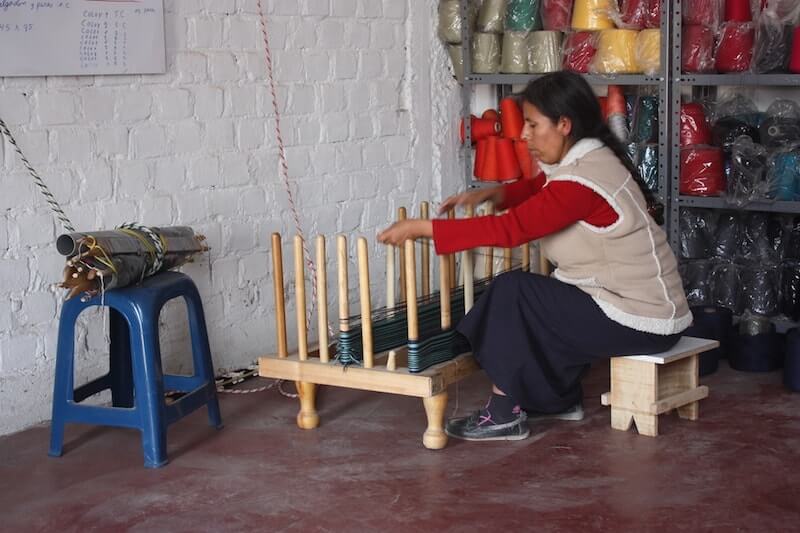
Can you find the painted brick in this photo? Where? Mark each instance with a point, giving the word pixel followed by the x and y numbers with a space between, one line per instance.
pixel 219 135
pixel 158 211
pixel 370 9
pixel 148 141
pixel 34 144
pixel 250 134
pixel 134 106
pixel 345 65
pixel 317 66
pixel 208 102
pixel 317 7
pixel 187 137
pixel 222 66
pixel 112 141
pixel 71 144
pixel 333 98
pixel 244 34
pixel 241 101
pixel 343 8
pixel 205 32
pixel 173 104
pixel 204 173
pixel 371 65
pixel 382 34
pixel 234 169
pixel 15 108
pixel 359 35
pixel 36 229
pixel 331 34
pixel 15 274
pixel 38 307
pixel 286 7
pixel 190 206
pixel 56 108
pixel 362 127
pixel 133 179
pixel 18 353
pixel 169 175
pixel 394 10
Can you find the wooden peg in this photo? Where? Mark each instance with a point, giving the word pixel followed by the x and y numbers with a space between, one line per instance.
pixel 401 215
pixel 366 306
pixel 322 300
pixel 488 268
pixel 444 291
pixel 411 291
pixel 300 293
pixel 280 302
pixel 426 254
pixel 468 276
pixel 344 306
pixel 526 257
pixel 390 281
pixel 451 259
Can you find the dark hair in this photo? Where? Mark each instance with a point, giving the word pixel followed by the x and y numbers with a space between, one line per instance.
pixel 567 94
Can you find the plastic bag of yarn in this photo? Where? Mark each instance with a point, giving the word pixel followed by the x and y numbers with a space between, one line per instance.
pixel 647 165
pixel 706 12
pixel 645 120
pixel 696 231
pixel 773 43
pixel 648 51
pixel 697 49
pixel 631 14
pixel 544 52
pixel 791 247
pixel 702 171
pixel 694 126
pixel 486 52
pixel 781 124
pixel 491 16
pixel 726 286
pixel 579 49
pixel 735 47
pixel 523 15
pixel 727 235
pixel 760 285
pixel 449 26
pixel 557 14
pixel 653 20
pixel 789 293
pixel 514 52
pixel 748 181
pixel 726 130
pixel 756 347
pixel 695 276
pixel 756 244
pixel 456 54
pixel 783 172
pixel 711 322
pixel 616 53
pixel 590 15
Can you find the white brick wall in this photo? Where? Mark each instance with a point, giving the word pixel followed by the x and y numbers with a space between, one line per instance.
pixel 368 120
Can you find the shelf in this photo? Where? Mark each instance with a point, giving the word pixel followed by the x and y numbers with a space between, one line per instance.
pixel 594 79
pixel 741 79
pixel 721 203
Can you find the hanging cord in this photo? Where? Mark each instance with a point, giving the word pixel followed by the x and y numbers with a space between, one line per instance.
pixel 38 180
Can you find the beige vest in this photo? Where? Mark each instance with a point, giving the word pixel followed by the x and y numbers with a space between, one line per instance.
pixel 628 268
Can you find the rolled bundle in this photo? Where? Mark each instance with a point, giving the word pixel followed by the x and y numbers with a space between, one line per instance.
pixel 648 51
pixel 773 44
pixel 632 149
pixel 738 11
pixel 726 287
pixel 748 172
pixel 702 171
pixel 633 14
pixel 511 120
pixel 491 16
pixel 727 129
pixel 579 50
pixel 647 164
pixel 735 48
pixel 697 49
pixel 711 322
pixel 523 15
pixel 760 286
pixel 592 15
pixel 728 235
pixel 790 289
pixel 695 276
pixel 695 233
pixel 544 52
pixel 449 27
pixel 700 12
pixel 783 175
pixel 456 54
pixel 694 127
pixel 616 52
pixel 556 14
pixel 791 368
pixel 754 244
pixel 486 53
pixel 645 120
pixel 515 52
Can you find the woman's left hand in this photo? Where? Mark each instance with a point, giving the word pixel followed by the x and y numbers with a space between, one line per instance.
pixel 403 230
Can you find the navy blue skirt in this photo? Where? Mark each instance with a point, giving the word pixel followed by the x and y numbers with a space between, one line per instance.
pixel 536 337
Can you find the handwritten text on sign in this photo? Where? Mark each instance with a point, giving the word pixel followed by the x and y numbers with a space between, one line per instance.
pixel 81 37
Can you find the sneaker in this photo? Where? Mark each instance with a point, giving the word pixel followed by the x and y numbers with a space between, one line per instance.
pixel 480 426
pixel 574 414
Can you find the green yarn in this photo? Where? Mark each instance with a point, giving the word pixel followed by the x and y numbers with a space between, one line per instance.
pixel 523 15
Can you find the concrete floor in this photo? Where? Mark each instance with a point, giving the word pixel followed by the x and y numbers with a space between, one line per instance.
pixel 364 469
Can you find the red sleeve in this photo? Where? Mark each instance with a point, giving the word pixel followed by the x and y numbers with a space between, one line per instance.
pixel 518 191
pixel 560 204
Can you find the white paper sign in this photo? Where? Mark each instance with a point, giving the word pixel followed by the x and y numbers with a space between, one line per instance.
pixel 81 37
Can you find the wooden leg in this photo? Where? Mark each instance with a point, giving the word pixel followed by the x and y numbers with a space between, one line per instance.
pixel 435 438
pixel 646 424
pixel 691 411
pixel 621 418
pixel 307 418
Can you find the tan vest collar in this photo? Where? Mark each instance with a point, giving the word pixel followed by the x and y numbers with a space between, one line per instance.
pixel 578 150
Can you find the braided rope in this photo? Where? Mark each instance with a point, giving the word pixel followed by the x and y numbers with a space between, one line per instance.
pixel 38 180
pixel 158 245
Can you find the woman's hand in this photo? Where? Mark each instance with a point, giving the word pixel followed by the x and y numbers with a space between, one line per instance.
pixel 403 230
pixel 473 198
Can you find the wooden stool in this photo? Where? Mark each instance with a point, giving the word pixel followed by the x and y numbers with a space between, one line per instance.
pixel 645 386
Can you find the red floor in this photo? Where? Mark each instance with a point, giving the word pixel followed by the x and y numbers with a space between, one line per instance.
pixel 364 469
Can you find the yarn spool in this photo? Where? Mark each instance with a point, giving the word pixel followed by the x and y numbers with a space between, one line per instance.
pixel 702 171
pixel 791 249
pixel 480 128
pixel 515 52
pixel 592 15
pixel 616 52
pixel 735 48
pixel 615 113
pixel 579 50
pixel 727 235
pixel 632 149
pixel 755 244
pixel 773 44
pixel 700 12
pixel 790 289
pixel 480 170
pixel 694 235
pixel 486 53
pixel 738 11
pixel 791 368
pixel 449 27
pixel 711 322
pixel 757 348
pixel 694 127
pixel 695 276
pixel 544 52
pixel 647 164
pixel 456 54
pixel 726 287
pixel 794 57
pixel 556 14
pixel 491 16
pixel 648 51
pixel 783 175
pixel 523 15
pixel 727 129
pixel 528 167
pixel 654 15
pixel 777 131
pixel 634 13
pixel 697 49
pixel 511 120
pixel 760 286
pixel 645 123
pixel 507 163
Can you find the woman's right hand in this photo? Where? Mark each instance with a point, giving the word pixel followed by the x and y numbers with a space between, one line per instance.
pixel 473 198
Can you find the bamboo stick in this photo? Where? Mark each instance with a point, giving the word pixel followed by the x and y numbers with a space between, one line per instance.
pixel 467 267
pixel 344 306
pixel 300 293
pixel 366 305
pixel 411 291
pixel 488 268
pixel 390 281
pixel 322 300
pixel 426 254
pixel 280 302
pixel 401 215
pixel 444 292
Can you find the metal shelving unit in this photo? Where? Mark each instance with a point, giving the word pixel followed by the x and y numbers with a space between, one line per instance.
pixel 504 83
pixel 721 203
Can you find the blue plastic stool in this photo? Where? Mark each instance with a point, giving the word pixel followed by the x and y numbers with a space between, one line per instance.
pixel 135 377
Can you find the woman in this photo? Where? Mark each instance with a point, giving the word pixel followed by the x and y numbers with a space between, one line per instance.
pixel 616 288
